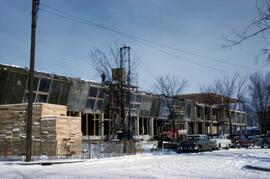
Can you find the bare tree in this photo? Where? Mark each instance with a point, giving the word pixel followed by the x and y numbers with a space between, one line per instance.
pixel 206 92
pixel 232 88
pixel 259 27
pixel 104 62
pixel 169 87
pixel 259 89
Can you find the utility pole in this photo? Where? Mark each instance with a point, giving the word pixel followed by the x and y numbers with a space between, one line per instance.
pixel 35 5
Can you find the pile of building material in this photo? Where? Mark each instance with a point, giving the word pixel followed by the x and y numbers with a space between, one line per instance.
pixel 53 133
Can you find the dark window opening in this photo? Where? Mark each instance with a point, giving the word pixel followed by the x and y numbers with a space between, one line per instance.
pixel 93 92
pixel 106 127
pixel 214 111
pixel 99 105
pixel 146 125
pixel 91 128
pixel 44 85
pixel 139 98
pixel 107 116
pixel 42 98
pixel 97 127
pixel 101 93
pixel 198 111
pixel 83 125
pixel 72 113
pixel 207 110
pixel 35 84
pixel 188 111
pixel 56 87
pixel 140 126
pixel 90 104
pixel 155 126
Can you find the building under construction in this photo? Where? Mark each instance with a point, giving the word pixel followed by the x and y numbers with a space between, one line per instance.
pixel 68 112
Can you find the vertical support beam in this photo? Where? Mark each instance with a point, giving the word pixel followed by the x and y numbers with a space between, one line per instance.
pixel 137 126
pixel 151 127
pixel 94 125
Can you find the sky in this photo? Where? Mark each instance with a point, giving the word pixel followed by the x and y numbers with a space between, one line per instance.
pixel 63 46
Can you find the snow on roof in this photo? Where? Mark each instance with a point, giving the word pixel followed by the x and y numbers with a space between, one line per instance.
pixel 93 81
pixel 15 66
pixel 48 73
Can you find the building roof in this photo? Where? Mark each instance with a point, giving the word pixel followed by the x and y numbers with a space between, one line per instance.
pixel 25 70
pixel 209 98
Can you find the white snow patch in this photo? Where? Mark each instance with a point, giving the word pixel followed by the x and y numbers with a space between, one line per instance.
pixel 217 164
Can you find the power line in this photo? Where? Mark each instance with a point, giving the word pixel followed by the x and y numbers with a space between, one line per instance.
pixel 184 59
pixel 82 20
pixel 74 18
pixel 66 61
pixel 148 69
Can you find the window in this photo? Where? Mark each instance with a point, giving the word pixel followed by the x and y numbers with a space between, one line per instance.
pixel 214 111
pixel 198 110
pixel 139 98
pixel 42 98
pixel 44 85
pixel 35 85
pixel 90 104
pixel 101 93
pixel 207 110
pixel 41 87
pixel 99 105
pixel 93 92
pixel 188 110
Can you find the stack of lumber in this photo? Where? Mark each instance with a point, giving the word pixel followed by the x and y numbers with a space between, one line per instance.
pixel 53 133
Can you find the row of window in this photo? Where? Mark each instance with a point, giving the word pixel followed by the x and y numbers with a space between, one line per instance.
pixel 95 100
pixel 41 93
pixel 41 87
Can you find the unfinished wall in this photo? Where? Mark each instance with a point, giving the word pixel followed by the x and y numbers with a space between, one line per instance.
pixel 53 132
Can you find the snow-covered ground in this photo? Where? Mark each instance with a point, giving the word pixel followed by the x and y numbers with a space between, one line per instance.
pixel 217 164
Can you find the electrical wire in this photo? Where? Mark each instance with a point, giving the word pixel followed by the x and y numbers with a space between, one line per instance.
pixel 86 21
pixel 67 61
pixel 137 40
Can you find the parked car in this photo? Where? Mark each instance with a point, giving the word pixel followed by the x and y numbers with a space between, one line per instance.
pixel 221 142
pixel 196 143
pixel 240 141
pixel 263 141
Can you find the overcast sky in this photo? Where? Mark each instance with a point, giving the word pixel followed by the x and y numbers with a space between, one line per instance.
pixel 191 25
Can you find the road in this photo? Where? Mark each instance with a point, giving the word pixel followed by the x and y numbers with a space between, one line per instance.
pixel 218 164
